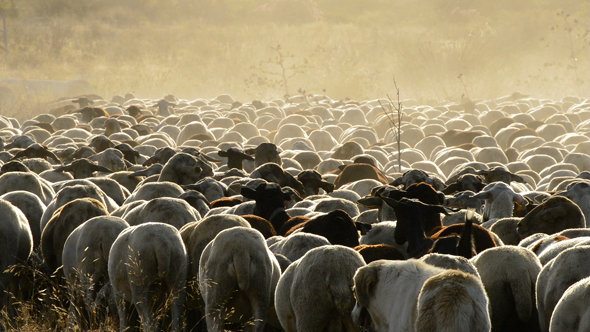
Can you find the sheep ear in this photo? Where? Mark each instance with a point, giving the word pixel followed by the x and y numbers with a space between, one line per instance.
pixel 222 153
pixel 327 186
pixel 66 168
pixel 516 178
pixel 127 163
pixel 451 188
pixel 51 155
pixel 247 157
pixel 391 202
pixel 397 181
pixel 249 193
pixel 363 227
pixel 250 151
pixel 483 195
pixel 289 194
pixel 98 168
pixel 370 202
pixel 365 282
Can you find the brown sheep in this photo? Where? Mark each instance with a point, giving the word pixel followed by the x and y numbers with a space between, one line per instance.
pixel 373 252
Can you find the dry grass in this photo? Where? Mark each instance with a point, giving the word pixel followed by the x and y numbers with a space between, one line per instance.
pixel 159 49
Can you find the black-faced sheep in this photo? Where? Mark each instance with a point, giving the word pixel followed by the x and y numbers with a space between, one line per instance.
pixel 82 168
pixel 235 157
pixel 237 278
pixel 312 182
pixel 147 269
pixel 336 226
pixel 315 292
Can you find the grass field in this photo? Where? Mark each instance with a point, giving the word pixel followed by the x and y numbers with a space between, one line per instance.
pixel 341 48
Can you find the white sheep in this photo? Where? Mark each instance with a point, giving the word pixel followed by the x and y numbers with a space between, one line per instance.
pixel 556 276
pixel 389 292
pixel 315 292
pixel 147 269
pixel 509 275
pixel 572 312
pixel 85 256
pixel 237 278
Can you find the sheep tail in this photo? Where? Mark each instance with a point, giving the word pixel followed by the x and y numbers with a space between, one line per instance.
pixel 522 292
pixel 240 269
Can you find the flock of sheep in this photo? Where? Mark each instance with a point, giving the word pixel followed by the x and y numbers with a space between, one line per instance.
pixel 294 215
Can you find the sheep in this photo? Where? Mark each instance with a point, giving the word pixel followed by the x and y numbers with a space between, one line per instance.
pixel 552 216
pixel 235 157
pixel 85 255
pixel 336 226
pixel 450 262
pixel 211 188
pixel 182 169
pixel 16 243
pixel 168 210
pixel 153 190
pixel 26 181
pixel 272 172
pixel 556 276
pixel 269 198
pixel 196 200
pixel 71 192
pixel 359 171
pixel 389 292
pixel 579 192
pixel 411 227
pixel 296 245
pixel 552 250
pixel 195 236
pixel 315 292
pixel 465 182
pixel 264 153
pixel 500 199
pixel 83 168
pixel 111 159
pixel 416 176
pixel 572 313
pixel 147 269
pixel 312 182
pixel 453 301
pixel 32 207
pixel 64 220
pixel 37 150
pixel 237 267
pixel 509 275
pixel 373 252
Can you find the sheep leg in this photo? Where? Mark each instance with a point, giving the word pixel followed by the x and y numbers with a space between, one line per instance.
pixel 142 304
pixel 123 309
pixel 259 312
pixel 176 307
